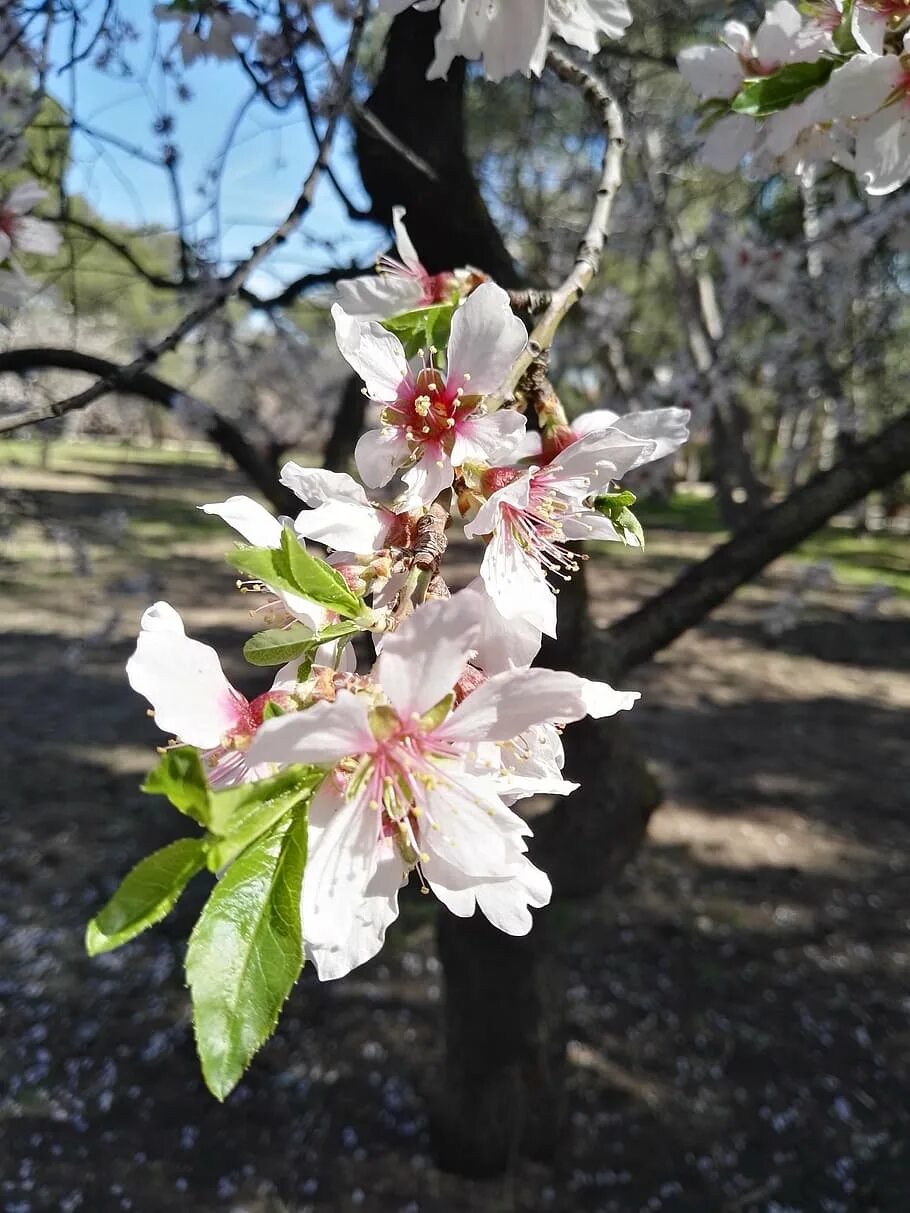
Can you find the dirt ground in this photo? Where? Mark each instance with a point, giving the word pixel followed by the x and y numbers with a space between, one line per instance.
pixel 739 1003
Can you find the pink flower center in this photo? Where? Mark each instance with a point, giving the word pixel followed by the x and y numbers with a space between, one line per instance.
pixel 8 221
pixel 429 408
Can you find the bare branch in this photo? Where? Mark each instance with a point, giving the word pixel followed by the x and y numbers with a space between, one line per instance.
pixel 590 251
pixel 225 287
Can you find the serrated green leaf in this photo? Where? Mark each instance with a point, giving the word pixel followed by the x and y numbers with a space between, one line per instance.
pixel 317 580
pixel 276 646
pixel 423 327
pixel 266 565
pixel 146 895
pixel 788 85
pixel 293 570
pixel 246 952
pixel 180 777
pixel 243 813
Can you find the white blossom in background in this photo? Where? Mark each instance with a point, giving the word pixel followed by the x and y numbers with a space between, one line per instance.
pixel 413 785
pixel 210 34
pixel 855 114
pixel 513 35
pixel 433 420
pixel 874 91
pixel 20 232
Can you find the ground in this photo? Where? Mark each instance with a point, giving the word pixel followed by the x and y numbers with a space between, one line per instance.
pixel 739 1002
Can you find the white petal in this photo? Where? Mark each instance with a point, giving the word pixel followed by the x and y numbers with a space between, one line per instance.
pixel 883 150
pixel 775 38
pixel 489 517
pixel 344 849
pixel 517 583
pixel 597 419
pixel 22 198
pixel 374 353
pixel 429 477
pixel 379 454
pixel 711 71
pixel 344 518
pixel 403 243
pixel 376 296
pixel 322 734
pixel 505 903
pixel 250 519
pixel 183 681
pixel 514 701
pixel 861 86
pixel 605 455
pixel 376 913
pixel 493 438
pixel 728 141
pixel 460 827
pixel 505 35
pixel 502 644
pixel 581 22
pixel 36 236
pixel 486 339
pixel 5 247
pixel 868 28
pixel 667 429
pixel 425 657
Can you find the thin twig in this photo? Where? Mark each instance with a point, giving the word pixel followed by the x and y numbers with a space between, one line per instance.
pixel 225 287
pixel 590 251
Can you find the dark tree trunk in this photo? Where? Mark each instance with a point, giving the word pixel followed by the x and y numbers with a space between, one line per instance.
pixel 346 427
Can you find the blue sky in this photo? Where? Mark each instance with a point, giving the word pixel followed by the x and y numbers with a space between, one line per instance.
pixel 270 156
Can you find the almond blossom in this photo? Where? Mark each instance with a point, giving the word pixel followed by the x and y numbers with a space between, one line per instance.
pixel 192 699
pixel 719 71
pixel 876 90
pixel 531 516
pixel 400 285
pixel 20 232
pixel 408 788
pixel 433 420
pixel 870 20
pixel 513 35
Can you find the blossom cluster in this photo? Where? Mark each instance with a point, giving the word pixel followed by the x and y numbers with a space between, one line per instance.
pixel 829 82
pixel 418 749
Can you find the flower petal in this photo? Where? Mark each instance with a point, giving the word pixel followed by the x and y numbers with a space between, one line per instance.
pixel 512 702
pixel 493 438
pixel 486 339
pixel 376 296
pixel 379 454
pixel 711 71
pixel 183 681
pixel 250 519
pixel 425 657
pixel 373 352
pixel 322 734
pixel 404 244
pixel 430 476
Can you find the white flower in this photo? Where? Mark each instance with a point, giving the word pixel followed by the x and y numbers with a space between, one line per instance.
pixel 342 516
pixel 433 420
pixel 19 231
pixel 871 19
pixel 408 788
pixel 531 516
pixel 193 701
pixel 513 35
pixel 400 286
pixel 719 71
pixel 876 89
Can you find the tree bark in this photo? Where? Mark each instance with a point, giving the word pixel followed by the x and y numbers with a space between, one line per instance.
pixel 259 464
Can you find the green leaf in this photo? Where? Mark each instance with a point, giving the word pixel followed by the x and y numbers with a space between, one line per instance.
pixel 317 580
pixel 423 327
pixel 243 813
pixel 246 952
pixel 278 645
pixel 788 85
pixel 146 895
pixel 181 778
pixel 293 570
pixel 615 506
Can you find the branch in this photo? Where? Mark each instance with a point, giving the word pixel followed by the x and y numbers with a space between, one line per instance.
pixel 770 534
pixel 230 284
pixel 590 251
pixel 258 466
